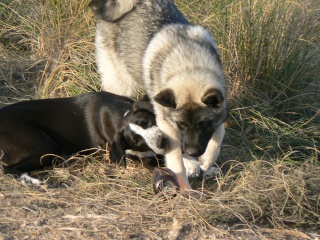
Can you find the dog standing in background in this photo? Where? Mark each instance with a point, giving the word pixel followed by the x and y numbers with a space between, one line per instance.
pixel 149 45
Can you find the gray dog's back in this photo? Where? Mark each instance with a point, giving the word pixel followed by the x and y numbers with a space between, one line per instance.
pixel 124 40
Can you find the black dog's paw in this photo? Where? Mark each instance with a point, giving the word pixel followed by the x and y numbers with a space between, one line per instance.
pixel 27 180
pixel 118 150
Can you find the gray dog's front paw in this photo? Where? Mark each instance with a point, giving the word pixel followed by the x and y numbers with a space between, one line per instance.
pixel 212 172
pixel 192 166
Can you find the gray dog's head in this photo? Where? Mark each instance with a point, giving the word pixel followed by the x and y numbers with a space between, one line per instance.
pixel 185 79
pixel 195 121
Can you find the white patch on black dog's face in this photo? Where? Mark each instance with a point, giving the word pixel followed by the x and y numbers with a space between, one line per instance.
pixel 152 136
pixel 147 154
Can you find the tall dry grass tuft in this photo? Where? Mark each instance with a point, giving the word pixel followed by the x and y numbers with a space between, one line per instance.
pixel 270 51
pixel 272 46
pixel 277 194
pixel 59 34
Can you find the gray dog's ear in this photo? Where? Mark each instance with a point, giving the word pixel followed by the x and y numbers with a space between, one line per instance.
pixel 118 150
pixel 112 10
pixel 166 98
pixel 213 98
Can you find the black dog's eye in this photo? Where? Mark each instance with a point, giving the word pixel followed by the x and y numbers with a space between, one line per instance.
pixel 138 141
pixel 144 123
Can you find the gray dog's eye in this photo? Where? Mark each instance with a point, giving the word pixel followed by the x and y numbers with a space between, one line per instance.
pixel 204 124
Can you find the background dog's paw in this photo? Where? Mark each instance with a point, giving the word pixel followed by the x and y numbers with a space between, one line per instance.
pixel 27 180
pixel 213 171
pixel 192 166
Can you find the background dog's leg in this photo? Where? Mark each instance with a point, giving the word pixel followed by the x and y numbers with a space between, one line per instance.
pixel 27 180
pixel 213 149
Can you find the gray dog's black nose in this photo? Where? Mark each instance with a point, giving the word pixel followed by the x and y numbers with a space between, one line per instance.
pixel 162 143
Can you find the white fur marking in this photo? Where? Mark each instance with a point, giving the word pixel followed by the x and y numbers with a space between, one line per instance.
pixel 27 180
pixel 141 154
pixel 150 135
pixel 125 114
pixel 1 154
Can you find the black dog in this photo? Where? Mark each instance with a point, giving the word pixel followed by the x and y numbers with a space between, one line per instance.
pixel 31 132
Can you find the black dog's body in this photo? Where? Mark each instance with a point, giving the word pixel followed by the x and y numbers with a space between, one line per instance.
pixel 30 130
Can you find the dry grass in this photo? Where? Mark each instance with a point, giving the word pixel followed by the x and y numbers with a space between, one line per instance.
pixel 269 184
pixel 98 201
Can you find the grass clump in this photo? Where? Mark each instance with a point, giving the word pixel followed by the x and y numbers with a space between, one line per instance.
pixel 270 51
pixel 57 34
pixel 269 183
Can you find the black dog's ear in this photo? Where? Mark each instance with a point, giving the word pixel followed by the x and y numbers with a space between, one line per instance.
pixel 145 98
pixel 112 10
pixel 213 98
pixel 166 98
pixel 143 103
pixel 118 150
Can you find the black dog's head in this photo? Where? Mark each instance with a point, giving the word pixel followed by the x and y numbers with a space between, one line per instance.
pixel 139 133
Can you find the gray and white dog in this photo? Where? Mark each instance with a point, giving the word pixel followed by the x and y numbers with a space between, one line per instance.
pixel 149 45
